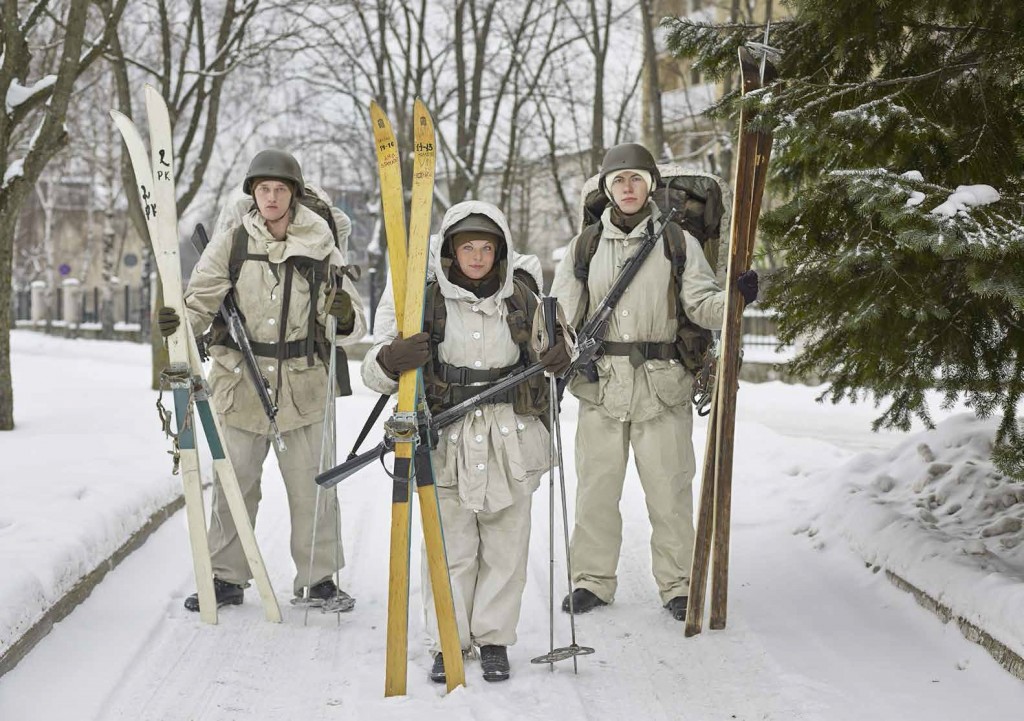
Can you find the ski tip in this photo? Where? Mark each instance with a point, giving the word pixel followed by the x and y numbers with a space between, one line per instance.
pixel 155 100
pixel 753 57
pixel 420 109
pixel 378 118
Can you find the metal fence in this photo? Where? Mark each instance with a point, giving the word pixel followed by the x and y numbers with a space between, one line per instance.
pixel 759 329
pixel 130 307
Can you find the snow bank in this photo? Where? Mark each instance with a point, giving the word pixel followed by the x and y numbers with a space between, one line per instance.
pixel 80 474
pixel 935 512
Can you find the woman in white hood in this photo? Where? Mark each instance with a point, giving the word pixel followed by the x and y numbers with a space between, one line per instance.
pixel 487 466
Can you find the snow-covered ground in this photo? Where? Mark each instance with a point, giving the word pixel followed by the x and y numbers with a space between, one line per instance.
pixel 812 632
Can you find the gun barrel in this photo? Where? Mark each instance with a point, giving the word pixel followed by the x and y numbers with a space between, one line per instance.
pixel 334 476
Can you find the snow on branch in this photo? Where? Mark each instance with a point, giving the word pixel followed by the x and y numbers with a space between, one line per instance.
pixel 18 94
pixel 14 170
pixel 964 197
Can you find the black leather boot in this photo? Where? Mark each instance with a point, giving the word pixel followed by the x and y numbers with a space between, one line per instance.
pixel 582 601
pixel 227 594
pixel 677 607
pixel 437 670
pixel 494 662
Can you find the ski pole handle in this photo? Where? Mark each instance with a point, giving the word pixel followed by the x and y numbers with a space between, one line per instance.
pixel 550 305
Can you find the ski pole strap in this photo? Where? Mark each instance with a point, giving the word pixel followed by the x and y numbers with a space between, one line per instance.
pixel 370 420
pixel 550 306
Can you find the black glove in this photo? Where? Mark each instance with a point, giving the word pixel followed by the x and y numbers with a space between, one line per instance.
pixel 341 308
pixel 556 359
pixel 404 354
pixel 168 320
pixel 747 285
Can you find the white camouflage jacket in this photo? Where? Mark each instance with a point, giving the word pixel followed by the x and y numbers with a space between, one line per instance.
pixel 303 394
pixel 492 455
pixel 647 312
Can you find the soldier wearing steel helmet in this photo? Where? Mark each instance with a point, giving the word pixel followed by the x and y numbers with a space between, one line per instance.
pixel 641 396
pixel 283 266
pixel 479 319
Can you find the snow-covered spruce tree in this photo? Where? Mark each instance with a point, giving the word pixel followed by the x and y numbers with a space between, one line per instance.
pixel 895 278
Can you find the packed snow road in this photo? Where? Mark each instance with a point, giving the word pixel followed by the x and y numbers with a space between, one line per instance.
pixel 811 634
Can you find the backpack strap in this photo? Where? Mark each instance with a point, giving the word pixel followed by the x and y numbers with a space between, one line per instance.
pixel 586 248
pixel 675 250
pixel 521 306
pixel 240 253
pixel 314 279
pixel 435 314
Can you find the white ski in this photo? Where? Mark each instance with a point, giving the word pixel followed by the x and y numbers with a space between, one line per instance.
pixel 185 373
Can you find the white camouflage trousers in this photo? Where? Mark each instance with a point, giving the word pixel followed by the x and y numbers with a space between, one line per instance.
pixel 663 452
pixel 299 466
pixel 487 554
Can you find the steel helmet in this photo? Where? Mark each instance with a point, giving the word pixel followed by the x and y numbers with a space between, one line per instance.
pixel 628 156
pixel 473 223
pixel 276 164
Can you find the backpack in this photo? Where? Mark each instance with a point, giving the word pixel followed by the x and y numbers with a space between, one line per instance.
pixel 700 200
pixel 528 398
pixel 315 272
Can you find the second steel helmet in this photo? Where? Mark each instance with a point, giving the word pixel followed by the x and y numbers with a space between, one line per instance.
pixel 276 164
pixel 628 156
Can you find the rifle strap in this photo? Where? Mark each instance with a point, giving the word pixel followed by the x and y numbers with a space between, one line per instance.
pixel 370 420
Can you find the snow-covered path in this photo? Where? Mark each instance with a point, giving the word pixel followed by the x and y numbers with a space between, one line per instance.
pixel 812 634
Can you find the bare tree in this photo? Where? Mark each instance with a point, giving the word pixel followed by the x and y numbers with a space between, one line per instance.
pixel 188 51
pixel 652 88
pixel 39 104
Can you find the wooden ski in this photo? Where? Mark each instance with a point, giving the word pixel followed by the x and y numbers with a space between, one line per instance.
pixel 389 168
pixel 408 278
pixel 155 178
pixel 713 518
pixel 419 251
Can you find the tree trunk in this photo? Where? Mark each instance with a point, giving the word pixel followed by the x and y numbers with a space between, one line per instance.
pixel 8 222
pixel 656 129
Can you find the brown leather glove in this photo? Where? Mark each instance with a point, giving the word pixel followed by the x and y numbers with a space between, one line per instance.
pixel 748 286
pixel 341 308
pixel 556 359
pixel 168 321
pixel 404 354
